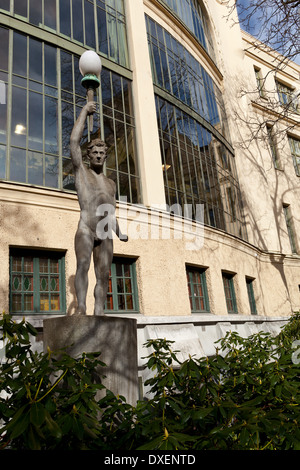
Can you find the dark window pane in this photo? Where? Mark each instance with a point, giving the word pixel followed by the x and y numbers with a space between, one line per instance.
pixel 4 49
pixel 51 171
pixel 35 11
pixel 65 17
pixel 50 13
pixel 35 168
pixel 18 165
pixel 66 71
pixel 35 60
pixel 18 120
pixel 20 54
pixel 102 31
pixel 50 65
pixel 89 24
pixel 20 7
pixel 51 120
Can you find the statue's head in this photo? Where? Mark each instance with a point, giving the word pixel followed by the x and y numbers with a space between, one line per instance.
pixel 96 152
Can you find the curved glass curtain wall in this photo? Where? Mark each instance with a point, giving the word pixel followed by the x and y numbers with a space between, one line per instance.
pixel 192 15
pixel 96 24
pixel 176 71
pixel 198 165
pixel 40 99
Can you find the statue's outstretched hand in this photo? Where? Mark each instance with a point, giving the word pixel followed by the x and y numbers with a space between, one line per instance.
pixel 91 107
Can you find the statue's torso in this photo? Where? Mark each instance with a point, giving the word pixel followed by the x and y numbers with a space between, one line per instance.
pixel 96 193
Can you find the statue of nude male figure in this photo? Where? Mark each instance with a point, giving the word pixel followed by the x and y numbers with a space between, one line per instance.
pixel 94 191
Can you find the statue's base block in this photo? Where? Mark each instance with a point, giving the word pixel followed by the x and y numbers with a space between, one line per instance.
pixel 115 338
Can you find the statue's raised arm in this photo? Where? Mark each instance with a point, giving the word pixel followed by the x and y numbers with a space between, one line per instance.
pixel 77 133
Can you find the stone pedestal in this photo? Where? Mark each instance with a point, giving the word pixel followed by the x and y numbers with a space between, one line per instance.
pixel 114 337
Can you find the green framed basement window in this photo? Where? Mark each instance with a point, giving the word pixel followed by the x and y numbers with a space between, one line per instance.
pixel 196 279
pixel 229 292
pixel 122 293
pixel 250 290
pixel 37 282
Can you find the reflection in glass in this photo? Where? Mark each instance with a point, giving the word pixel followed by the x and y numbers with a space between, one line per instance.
pixel 18 165
pixel 35 60
pixel 77 20
pixel 35 168
pixel 51 171
pixel 50 13
pixel 65 17
pixel 20 8
pixel 18 119
pixel 89 23
pixel 35 131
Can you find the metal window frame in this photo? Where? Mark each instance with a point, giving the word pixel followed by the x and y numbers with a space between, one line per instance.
pixel 13 24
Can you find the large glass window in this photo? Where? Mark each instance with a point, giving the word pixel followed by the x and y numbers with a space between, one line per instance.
pixel 37 282
pixel 46 98
pixel 193 16
pixel 97 24
pixel 176 71
pixel 198 169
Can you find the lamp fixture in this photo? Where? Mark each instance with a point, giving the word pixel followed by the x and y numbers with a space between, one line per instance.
pixel 90 68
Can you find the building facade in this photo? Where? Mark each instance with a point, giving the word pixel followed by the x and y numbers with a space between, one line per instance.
pixel 207 192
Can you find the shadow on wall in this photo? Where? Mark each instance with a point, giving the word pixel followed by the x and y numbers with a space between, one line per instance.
pixel 18 228
pixel 72 303
pixel 253 145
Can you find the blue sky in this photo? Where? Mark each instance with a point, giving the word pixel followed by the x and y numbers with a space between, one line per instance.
pixel 255 24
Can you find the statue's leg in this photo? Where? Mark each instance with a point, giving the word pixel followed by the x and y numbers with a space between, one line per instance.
pixel 103 255
pixel 84 243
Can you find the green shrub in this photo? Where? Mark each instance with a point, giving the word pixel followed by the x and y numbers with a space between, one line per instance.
pixel 244 397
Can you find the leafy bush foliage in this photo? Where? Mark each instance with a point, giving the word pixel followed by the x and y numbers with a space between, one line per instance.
pixel 246 396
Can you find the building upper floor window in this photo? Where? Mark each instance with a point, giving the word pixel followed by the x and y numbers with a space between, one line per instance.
pixel 122 293
pixel 290 227
pixel 228 282
pixel 286 95
pixel 97 24
pixel 196 279
pixel 37 282
pixel 192 14
pixel 295 151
